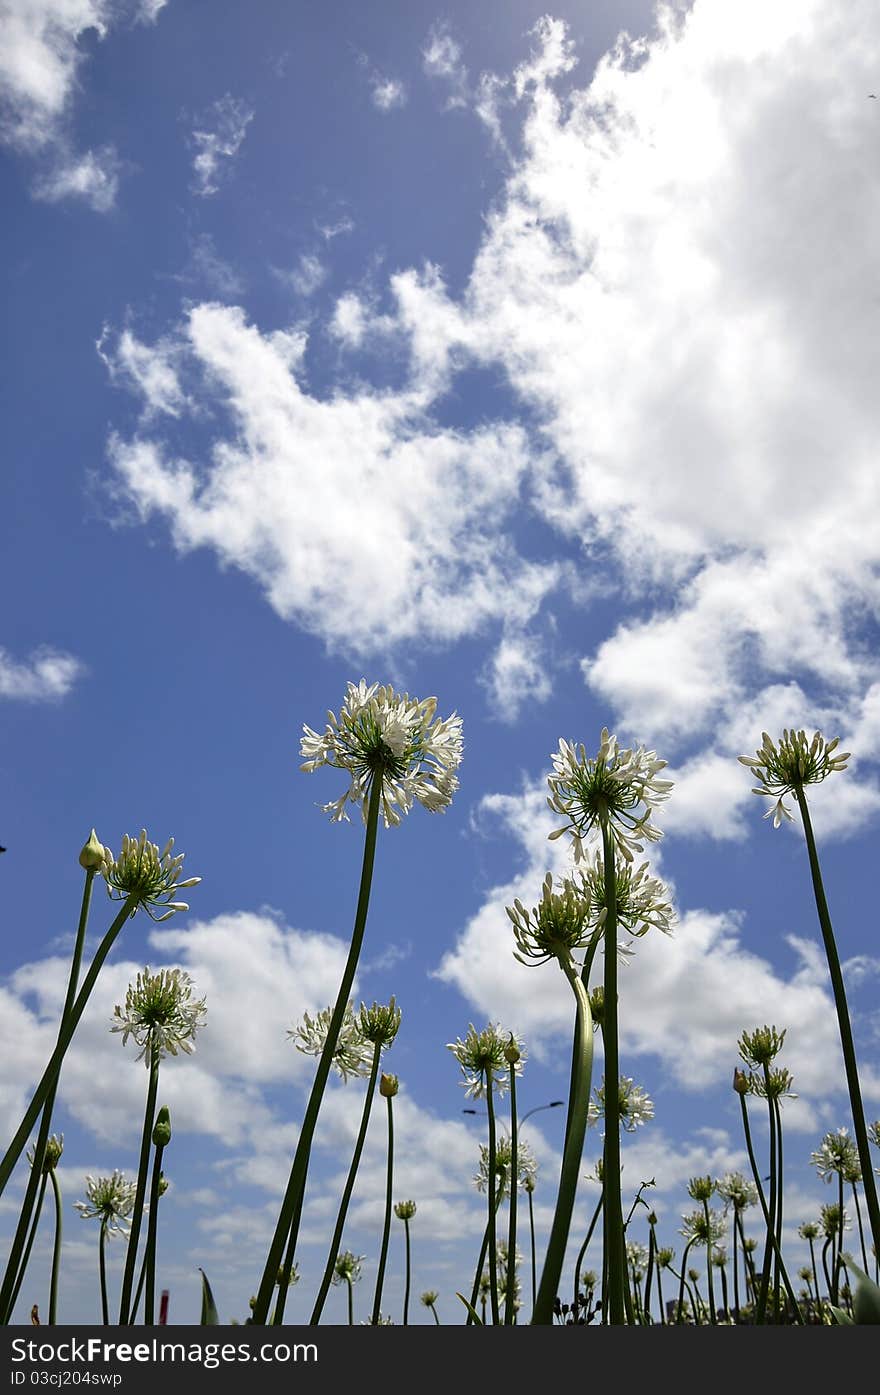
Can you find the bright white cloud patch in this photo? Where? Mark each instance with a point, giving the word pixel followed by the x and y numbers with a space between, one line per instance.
pixel 92 177
pixel 442 59
pixel 388 93
pixel 217 141
pixel 47 674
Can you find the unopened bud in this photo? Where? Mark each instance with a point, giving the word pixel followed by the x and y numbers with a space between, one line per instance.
pixel 512 1052
pixel 740 1081
pixel 162 1128
pixel 388 1085
pixel 92 854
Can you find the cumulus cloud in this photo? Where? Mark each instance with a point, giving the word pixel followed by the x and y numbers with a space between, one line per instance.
pixel 217 141
pixel 387 93
pixel 517 673
pixel 47 674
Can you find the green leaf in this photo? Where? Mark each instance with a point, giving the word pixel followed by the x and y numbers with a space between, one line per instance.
pixel 209 1307
pixel 474 1314
pixel 840 1317
pixel 866 1298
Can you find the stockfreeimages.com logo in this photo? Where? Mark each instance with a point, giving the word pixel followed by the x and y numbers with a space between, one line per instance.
pixel 209 1354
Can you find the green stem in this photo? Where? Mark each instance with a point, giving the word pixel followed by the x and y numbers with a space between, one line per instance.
pixel 613 1203
pixel 386 1231
pixel 141 1187
pixel 152 1231
pixel 780 1173
pixel 660 1297
pixel 509 1309
pixel 846 1037
pixel 495 1192
pixel 680 1312
pixel 29 1246
pixel 406 1289
pixel 65 1036
pixel 861 1227
pixel 766 1213
pixel 583 1249
pixel 102 1271
pixel 819 1308
pixel 46 1121
pixel 348 1189
pixel 493 1233
pixel 56 1252
pixel 652 1249
pixel 760 1312
pixel 709 1263
pixel 735 1266
pixel 532 1239
pixel 287 1226
pixel 571 1156
pixel 434 1311
pixel 350 1303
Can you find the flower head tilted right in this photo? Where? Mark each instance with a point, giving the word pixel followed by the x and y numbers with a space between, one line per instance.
pixel 109 1198
pixel 617 787
pixel 143 871
pixel 635 1106
pixel 484 1054
pixel 352 1054
pixel 784 767
pixel 389 736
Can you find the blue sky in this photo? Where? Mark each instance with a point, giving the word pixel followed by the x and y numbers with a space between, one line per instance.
pixel 482 351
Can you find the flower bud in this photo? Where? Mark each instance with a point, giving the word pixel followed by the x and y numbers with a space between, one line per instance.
pixel 512 1052
pixel 162 1128
pixel 388 1085
pixel 92 855
pixel 740 1081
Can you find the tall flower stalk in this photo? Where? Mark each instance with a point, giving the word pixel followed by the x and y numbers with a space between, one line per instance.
pixel 404 1211
pixel 395 753
pixel 611 795
pixel 388 1087
pixel 347 1270
pixel 161 1138
pixel 162 1017
pixel 111 1201
pixel 787 767
pixel 378 1025
pixel 51 1154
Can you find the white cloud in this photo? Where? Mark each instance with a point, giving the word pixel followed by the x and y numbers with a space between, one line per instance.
pixel 217 141
pixel 152 373
pixel 92 177
pixel 47 674
pixel 517 673
pixel 388 93
pixel 307 277
pixel 441 59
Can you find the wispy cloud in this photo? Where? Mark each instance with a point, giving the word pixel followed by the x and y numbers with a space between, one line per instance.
pixel 388 93
pixel 46 675
pixel 442 59
pixel 92 177
pixel 217 140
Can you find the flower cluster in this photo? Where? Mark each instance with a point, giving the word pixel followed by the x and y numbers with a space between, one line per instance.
pixel 637 1259
pixel 526 1166
pixel 837 1155
pixel 111 1199
pixel 347 1269
pixel 484 1054
pixel 737 1190
pixel 52 1154
pixel 405 1210
pixel 697 1229
pixel 351 1056
pixel 559 924
pixel 774 1085
pixel 380 1023
pixel 615 788
pixel 784 767
pixel 160 1013
pixel 383 735
pixel 142 871
pixel 760 1047
pixel 635 1106
pixel 642 901
pixel 700 1188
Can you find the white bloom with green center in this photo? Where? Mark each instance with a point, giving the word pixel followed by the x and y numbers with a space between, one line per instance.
pixel 700 1229
pixel 482 1054
pixel 637 1258
pixel 389 736
pixel 635 1106
pixel 347 1269
pixel 785 766
pixel 353 1053
pixel 737 1190
pixel 837 1155
pixel 160 1012
pixel 643 902
pixel 620 787
pixel 152 876
pixel 526 1166
pixel 110 1199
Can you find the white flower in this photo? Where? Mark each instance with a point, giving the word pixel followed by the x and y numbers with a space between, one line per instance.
pixel 526 1166
pixel 481 1054
pixel 635 1106
pixel 784 767
pixel 111 1199
pixel 737 1190
pixel 611 786
pixel 145 872
pixel 353 1054
pixel 698 1231
pixel 159 1012
pixel 389 736
pixel 837 1154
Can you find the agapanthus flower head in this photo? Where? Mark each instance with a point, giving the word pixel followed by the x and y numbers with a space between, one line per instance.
pixel 405 1210
pixel 829 1219
pixel 699 1229
pixel 110 1200
pixel 160 1013
pixel 597 1006
pixel 637 1259
pixel 750 1244
pixel 154 877
pixel 805 1274
pixel 481 1055
pixel 616 787
pixel 808 1230
pixel 700 1188
pixel 719 1257
pixel 760 1047
pixel 837 1155
pixel 642 901
pixel 589 1279
pixel 380 1023
pixel 526 1166
pixel 52 1153
pixel 383 735
pixel 555 928
pixel 776 1085
pixel 737 1190
pixel 785 766
pixel 874 1133
pixel 352 1055
pixel 292 1277
pixel 664 1258
pixel 634 1104
pixel 429 1297
pixel 347 1269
